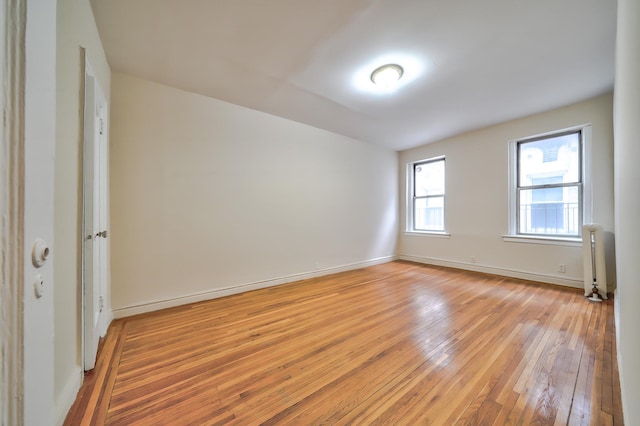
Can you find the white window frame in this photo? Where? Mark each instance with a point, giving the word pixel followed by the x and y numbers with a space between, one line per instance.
pixel 586 196
pixel 410 208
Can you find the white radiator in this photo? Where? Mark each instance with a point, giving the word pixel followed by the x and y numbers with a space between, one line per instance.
pixel 593 259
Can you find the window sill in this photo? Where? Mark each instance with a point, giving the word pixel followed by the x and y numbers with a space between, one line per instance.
pixel 434 234
pixel 531 239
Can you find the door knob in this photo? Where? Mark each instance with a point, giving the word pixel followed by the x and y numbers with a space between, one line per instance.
pixel 102 234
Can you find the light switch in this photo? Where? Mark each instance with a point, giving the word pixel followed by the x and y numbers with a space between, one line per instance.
pixel 38 286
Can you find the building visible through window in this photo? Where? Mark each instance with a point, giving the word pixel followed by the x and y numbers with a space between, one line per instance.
pixel 428 195
pixel 549 185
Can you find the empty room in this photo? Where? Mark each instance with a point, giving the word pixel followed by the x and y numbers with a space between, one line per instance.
pixel 320 212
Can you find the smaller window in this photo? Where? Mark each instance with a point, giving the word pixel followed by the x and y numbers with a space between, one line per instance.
pixel 427 209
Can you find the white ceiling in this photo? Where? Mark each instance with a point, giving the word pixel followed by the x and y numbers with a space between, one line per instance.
pixel 468 63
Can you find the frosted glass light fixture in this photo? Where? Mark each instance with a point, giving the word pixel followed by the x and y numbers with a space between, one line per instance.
pixel 387 75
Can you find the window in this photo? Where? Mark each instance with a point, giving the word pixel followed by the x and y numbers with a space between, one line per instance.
pixel 427 204
pixel 549 182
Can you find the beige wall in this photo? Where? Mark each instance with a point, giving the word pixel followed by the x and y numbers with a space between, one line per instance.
pixel 75 28
pixel 627 178
pixel 209 198
pixel 477 191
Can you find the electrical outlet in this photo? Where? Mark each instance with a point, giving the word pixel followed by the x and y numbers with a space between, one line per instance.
pixel 473 259
pixel 317 265
pixel 562 268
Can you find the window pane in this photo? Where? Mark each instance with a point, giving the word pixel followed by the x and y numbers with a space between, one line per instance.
pixel 555 158
pixel 546 195
pixel 429 214
pixel 429 178
pixel 553 211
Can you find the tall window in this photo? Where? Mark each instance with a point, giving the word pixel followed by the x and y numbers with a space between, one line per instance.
pixel 548 193
pixel 428 195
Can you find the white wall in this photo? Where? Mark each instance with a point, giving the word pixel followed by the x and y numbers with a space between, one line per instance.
pixel 209 198
pixel 39 151
pixel 627 178
pixel 75 28
pixel 476 206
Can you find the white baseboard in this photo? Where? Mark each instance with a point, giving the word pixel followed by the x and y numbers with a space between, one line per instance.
pixel 513 273
pixel 155 305
pixel 65 399
pixel 106 321
pixel 616 320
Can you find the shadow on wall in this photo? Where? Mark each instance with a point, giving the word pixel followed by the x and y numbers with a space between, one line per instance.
pixel 610 259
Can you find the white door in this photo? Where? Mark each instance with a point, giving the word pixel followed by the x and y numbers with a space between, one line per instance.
pixel 100 196
pixel 95 233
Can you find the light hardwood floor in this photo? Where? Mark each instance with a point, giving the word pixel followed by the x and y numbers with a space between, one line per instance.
pixel 395 344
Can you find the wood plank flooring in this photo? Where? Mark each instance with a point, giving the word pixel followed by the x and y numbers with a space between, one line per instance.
pixel 393 344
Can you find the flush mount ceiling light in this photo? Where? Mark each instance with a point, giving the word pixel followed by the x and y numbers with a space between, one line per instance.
pixel 387 75
pixel 412 68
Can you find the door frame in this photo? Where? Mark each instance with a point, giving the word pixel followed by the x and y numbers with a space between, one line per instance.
pixel 27 143
pixel 12 76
